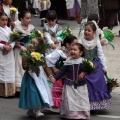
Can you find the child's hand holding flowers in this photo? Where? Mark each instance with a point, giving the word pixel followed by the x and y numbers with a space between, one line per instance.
pixel 87 68
pixel 6 49
pixel 81 76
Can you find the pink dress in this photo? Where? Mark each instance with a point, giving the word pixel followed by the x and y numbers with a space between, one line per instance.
pixel 57 93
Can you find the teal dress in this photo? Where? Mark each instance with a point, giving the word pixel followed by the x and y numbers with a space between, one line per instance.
pixel 30 96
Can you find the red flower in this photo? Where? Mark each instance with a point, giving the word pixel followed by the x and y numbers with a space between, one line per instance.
pixel 114 82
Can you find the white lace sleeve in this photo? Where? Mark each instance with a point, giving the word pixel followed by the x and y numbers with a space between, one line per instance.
pixel 52 58
pixel 48 37
pixel 101 56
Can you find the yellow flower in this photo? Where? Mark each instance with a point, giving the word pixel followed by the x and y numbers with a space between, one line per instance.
pixel 36 55
pixel 91 64
pixel 14 32
pixel 39 33
pixel 13 9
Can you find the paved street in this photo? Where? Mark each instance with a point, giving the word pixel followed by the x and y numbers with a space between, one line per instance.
pixel 9 106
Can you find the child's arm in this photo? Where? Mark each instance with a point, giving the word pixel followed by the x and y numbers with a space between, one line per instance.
pixel 49 40
pixel 61 72
pixel 101 56
pixel 59 75
pixel 54 69
pixel 103 41
pixel 25 64
pixel 47 70
pixel 20 46
pixel 49 73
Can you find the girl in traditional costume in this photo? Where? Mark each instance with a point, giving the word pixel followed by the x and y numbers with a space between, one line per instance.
pixel 55 62
pixel 35 92
pixel 99 95
pixel 75 101
pixel 7 61
pixel 51 28
pixel 5 6
pixel 26 29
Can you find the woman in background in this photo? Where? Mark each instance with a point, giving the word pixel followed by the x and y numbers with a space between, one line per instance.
pixel 108 13
pixel 73 8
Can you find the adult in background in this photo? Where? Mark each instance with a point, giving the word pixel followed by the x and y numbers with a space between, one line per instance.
pixel 60 7
pixel 88 7
pixel 44 6
pixel 73 8
pixel 22 5
pixel 108 13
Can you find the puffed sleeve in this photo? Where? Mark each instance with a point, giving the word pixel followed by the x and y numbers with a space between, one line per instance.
pixel 101 56
pixel 47 34
pixel 52 58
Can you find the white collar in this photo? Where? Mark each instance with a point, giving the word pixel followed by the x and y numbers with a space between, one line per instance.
pixel 71 61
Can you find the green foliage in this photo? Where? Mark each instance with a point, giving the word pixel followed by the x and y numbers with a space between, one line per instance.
pixel 42 48
pixel 64 33
pixel 109 35
pixel 15 36
pixel 88 67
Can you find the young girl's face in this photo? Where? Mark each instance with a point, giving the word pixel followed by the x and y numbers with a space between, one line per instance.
pixel 89 33
pixel 3 21
pixel 34 42
pixel 51 23
pixel 75 53
pixel 27 19
pixel 68 46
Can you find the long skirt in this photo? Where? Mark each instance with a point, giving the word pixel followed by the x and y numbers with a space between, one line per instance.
pixel 75 103
pixel 73 12
pixel 19 72
pixel 29 95
pixel 7 89
pixel 99 95
pixel 7 74
pixel 35 91
pixel 57 93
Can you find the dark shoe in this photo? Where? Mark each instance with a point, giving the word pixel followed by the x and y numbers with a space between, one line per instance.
pixel 42 23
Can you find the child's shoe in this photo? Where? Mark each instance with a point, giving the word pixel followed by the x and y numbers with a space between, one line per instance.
pixel 38 114
pixel 30 113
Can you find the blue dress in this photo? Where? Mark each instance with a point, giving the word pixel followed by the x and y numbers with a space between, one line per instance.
pixel 30 96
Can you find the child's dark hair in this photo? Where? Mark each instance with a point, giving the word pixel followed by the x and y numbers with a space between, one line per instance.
pixel 92 25
pixel 80 47
pixel 22 14
pixel 69 40
pixel 94 17
pixel 3 14
pixel 40 40
pixel 51 15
